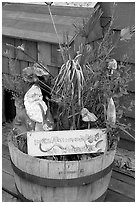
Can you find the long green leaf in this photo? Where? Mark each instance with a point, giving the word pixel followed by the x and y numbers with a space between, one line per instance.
pixel 127 133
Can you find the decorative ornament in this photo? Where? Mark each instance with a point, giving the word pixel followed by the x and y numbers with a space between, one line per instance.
pixel 34 104
pixel 30 74
pixel 87 116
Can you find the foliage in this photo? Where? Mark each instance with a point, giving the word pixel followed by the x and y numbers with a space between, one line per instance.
pixel 89 79
pixel 13 81
pixel 19 84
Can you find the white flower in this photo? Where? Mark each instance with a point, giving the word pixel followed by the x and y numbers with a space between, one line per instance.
pixel 112 64
pixel 22 47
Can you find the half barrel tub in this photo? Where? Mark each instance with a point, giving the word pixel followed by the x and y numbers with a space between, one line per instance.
pixel 41 180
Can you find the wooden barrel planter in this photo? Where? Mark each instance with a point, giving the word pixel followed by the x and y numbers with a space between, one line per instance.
pixel 61 181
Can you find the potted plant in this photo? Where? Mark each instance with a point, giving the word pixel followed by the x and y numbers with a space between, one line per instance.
pixel 83 97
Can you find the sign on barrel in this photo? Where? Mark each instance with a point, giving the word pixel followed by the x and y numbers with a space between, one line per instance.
pixel 47 143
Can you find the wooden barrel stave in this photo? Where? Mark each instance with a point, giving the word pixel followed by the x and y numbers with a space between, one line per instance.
pixel 85 193
pixel 61 170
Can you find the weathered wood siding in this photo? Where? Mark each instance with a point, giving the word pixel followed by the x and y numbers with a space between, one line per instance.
pixel 31 21
pixel 42 51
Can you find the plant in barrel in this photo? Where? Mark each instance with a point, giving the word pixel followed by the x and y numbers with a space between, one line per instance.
pixel 84 95
pixel 71 115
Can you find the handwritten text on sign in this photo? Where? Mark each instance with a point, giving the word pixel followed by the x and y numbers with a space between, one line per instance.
pixel 48 143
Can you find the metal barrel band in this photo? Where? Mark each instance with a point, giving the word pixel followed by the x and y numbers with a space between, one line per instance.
pixel 79 181
pixel 22 198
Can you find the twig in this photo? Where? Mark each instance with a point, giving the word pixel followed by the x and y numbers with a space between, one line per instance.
pixel 23 133
pixel 55 30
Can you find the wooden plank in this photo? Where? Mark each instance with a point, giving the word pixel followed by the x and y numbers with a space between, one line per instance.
pixel 56 10
pixel 113 196
pixel 71 169
pixel 23 64
pixel 6 166
pixel 8 183
pixel 27 189
pixel 122 188
pixel 123 177
pixel 30 48
pixel 5 64
pixel 35 35
pixel 128 105
pixel 87 167
pixel 4 136
pixel 58 170
pixel 96 33
pixel 100 186
pixel 5 151
pixel 8 40
pixel 124 13
pixel 44 168
pixel 107 159
pixel 126 144
pixel 44 53
pixel 56 57
pixel 6 197
pixel 45 18
pixel 125 48
pixel 123 135
pixel 54 70
pixel 32 27
pixel 125 172
pixel 26 163
pixel 17 67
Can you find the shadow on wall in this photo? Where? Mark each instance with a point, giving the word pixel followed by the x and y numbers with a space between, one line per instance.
pixel 9 107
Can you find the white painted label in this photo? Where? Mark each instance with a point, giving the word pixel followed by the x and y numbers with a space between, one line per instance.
pixel 48 143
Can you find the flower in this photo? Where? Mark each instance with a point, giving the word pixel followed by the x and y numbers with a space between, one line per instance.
pixel 87 116
pixel 112 64
pixel 22 47
pixel 127 33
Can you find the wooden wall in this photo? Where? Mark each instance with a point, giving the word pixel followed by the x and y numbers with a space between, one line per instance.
pixel 42 51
